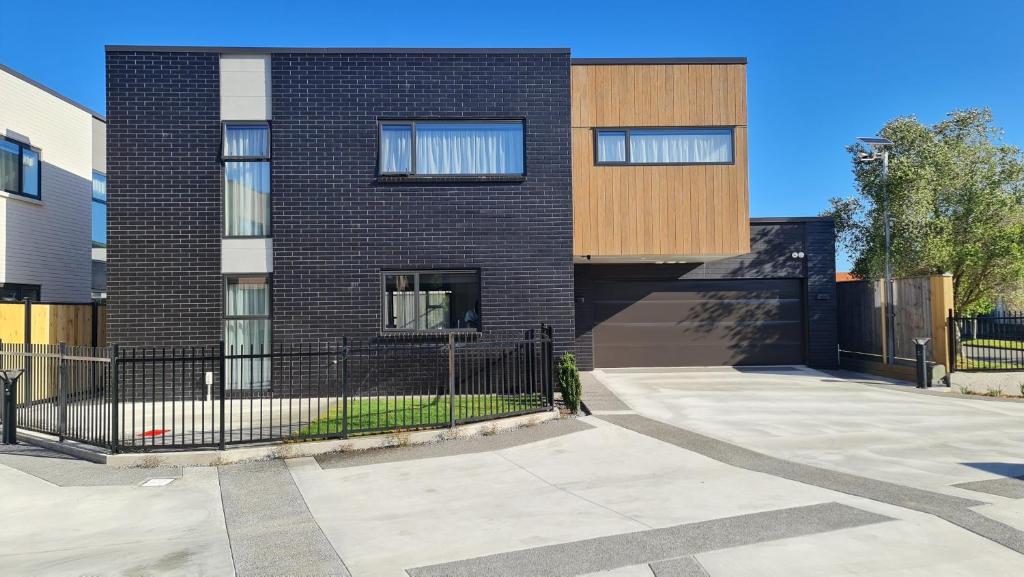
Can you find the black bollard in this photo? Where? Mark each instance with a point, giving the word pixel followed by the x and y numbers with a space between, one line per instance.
pixel 9 380
pixel 922 363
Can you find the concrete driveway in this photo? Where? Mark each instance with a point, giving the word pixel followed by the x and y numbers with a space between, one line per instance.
pixel 670 476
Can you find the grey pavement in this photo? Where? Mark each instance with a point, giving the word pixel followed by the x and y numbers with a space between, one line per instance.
pixel 692 472
pixel 272 531
pixel 603 553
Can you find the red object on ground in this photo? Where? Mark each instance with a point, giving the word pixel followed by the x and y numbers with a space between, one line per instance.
pixel 155 432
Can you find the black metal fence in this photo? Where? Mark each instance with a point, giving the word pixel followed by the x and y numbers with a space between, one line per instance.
pixel 138 399
pixel 987 342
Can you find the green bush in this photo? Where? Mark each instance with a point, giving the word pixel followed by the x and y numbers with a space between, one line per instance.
pixel 569 381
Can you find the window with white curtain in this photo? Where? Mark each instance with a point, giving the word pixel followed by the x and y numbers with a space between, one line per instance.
pixel 246 180
pixel 19 168
pixel 431 301
pixel 247 332
pixel 452 148
pixel 665 146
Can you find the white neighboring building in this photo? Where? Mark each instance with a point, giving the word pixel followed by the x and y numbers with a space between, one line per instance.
pixel 50 149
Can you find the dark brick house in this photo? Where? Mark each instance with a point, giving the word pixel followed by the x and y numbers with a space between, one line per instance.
pixel 277 196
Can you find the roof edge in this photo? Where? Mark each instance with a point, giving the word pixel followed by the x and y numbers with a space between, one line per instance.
pixel 389 50
pixel 771 219
pixel 665 60
pixel 52 92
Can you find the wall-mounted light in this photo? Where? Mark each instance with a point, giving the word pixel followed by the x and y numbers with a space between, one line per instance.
pixel 798 254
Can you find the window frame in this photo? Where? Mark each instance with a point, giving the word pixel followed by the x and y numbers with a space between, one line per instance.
pixel 629 153
pixel 412 176
pixel 38 289
pixel 415 273
pixel 96 201
pixel 223 174
pixel 269 317
pixel 21 169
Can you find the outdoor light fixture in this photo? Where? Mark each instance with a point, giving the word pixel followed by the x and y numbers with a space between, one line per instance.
pixel 880 151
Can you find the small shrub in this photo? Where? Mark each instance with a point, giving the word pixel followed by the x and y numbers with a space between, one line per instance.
pixel 569 381
pixel 1021 386
pixel 965 390
pixel 992 391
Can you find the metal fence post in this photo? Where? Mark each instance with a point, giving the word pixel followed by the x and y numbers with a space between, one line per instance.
pixel 223 393
pixel 549 357
pixel 115 441
pixel 27 375
pixel 62 391
pixel 952 343
pixel 451 379
pixel 344 387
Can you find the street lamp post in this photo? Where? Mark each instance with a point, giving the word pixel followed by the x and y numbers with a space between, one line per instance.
pixel 880 151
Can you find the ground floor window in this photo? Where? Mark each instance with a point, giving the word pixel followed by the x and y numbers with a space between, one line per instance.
pixel 431 300
pixel 247 331
pixel 19 292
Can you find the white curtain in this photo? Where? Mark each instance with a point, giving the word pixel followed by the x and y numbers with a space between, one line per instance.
pixel 242 140
pixel 247 336
pixel 611 146
pixel 679 146
pixel 469 148
pixel 434 310
pixel 247 198
pixel 9 166
pixel 395 148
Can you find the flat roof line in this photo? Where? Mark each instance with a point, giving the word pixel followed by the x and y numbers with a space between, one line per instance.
pixel 769 219
pixel 52 92
pixel 299 50
pixel 668 60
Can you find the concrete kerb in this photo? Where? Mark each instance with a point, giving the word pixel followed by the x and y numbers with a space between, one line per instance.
pixel 281 450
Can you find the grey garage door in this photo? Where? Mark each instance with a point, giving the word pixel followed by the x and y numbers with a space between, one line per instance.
pixel 669 323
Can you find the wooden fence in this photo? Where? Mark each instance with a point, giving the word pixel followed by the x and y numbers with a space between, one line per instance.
pixel 76 324
pixel 920 306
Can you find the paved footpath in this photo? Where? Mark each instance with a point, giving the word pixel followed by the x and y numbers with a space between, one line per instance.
pixel 654 483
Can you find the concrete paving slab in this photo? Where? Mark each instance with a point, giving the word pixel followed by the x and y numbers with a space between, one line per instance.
pixel 112 530
pixel 270 527
pixel 641 570
pixel 65 471
pixel 913 547
pixel 1009 487
pixel 480 444
pixel 603 553
pixel 681 567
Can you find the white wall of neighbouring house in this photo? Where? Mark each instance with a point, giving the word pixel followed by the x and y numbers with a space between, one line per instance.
pixel 47 242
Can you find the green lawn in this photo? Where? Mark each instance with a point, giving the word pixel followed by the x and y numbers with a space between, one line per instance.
pixel 375 414
pixel 964 363
pixel 995 343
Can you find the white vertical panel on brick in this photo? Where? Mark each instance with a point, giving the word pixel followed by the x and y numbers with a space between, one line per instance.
pixel 48 243
pixel 245 87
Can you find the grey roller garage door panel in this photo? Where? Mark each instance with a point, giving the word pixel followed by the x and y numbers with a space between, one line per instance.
pixel 659 323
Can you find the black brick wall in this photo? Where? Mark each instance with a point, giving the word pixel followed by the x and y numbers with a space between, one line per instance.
pixel 163 212
pixel 335 227
pixel 772 245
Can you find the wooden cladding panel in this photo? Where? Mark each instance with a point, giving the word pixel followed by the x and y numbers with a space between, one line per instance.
pixel 693 210
pixel 652 210
pixel 659 95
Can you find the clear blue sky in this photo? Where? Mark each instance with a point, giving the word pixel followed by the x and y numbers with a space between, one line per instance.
pixel 820 72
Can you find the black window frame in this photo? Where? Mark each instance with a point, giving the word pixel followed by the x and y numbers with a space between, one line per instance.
pixel 21 169
pixel 629 129
pixel 224 159
pixel 412 176
pixel 37 289
pixel 416 288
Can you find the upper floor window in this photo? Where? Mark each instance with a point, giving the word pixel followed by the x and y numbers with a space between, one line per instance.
pixel 246 156
pixel 19 168
pixel 99 209
pixel 664 146
pixel 452 148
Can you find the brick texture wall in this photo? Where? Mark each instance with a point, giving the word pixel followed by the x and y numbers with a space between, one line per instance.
pixel 163 178
pixel 335 225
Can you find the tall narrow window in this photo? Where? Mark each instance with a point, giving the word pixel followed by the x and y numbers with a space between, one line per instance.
pixel 246 180
pixel 247 332
pixel 452 148
pixel 99 210
pixel 20 168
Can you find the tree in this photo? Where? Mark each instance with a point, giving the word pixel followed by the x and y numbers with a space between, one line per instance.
pixel 956 195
